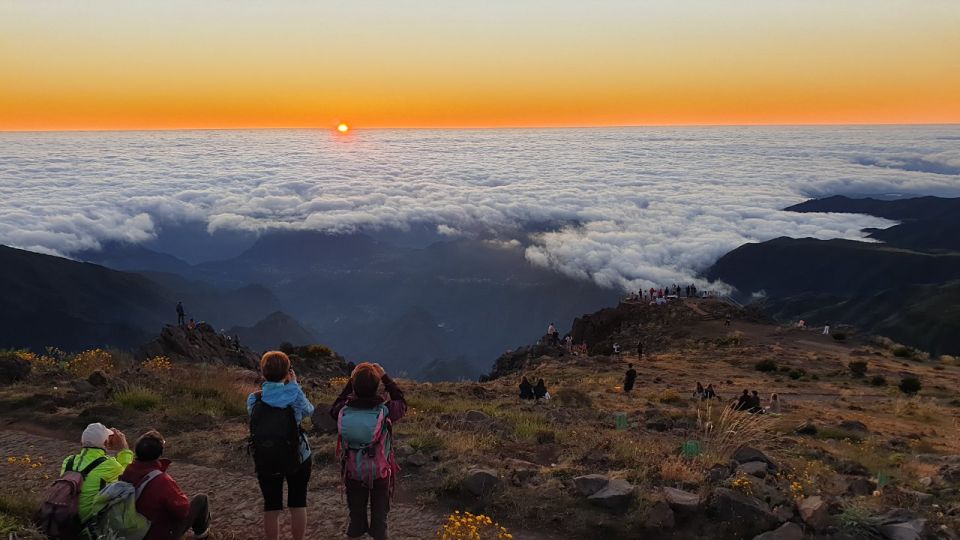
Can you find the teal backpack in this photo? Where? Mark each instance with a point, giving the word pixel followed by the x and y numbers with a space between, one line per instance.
pixel 365 444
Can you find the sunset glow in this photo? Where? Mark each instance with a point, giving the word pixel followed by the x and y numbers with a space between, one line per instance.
pixel 343 128
pixel 181 64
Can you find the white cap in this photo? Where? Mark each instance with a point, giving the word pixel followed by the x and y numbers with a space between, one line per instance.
pixel 95 436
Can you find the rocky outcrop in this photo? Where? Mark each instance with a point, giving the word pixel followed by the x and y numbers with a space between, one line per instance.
pixel 480 482
pixel 202 344
pixel 615 496
pixel 13 368
pixel 787 531
pixel 814 512
pixel 518 359
pixel 741 515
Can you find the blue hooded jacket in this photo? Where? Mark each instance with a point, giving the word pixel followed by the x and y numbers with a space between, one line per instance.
pixel 278 394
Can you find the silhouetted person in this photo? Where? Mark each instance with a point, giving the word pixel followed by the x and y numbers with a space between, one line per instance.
pixel 540 390
pixel 699 393
pixel 236 343
pixel 726 321
pixel 180 314
pixel 191 324
pixel 743 402
pixel 526 389
pixel 639 349
pixel 710 393
pixel 755 406
pixel 629 379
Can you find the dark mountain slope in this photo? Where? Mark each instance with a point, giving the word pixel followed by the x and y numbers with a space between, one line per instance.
pixel 47 300
pixel 927 223
pixel 789 266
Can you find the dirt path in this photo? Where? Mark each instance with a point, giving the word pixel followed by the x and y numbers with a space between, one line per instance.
pixel 234 498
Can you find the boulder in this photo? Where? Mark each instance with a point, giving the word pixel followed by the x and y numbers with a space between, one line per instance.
pixel 907 530
pixel 853 425
pixel 681 501
pixel 521 471
pixel 322 422
pixel 718 473
pixel 742 515
pixel 861 487
pixel 480 482
pixel 659 517
pixel 98 378
pixel 417 459
pixel 615 496
pixel 589 484
pixel 950 473
pixel 814 511
pixel 82 386
pixel 746 454
pixel 787 531
pixel 203 344
pixel 806 428
pixel 13 368
pixel 753 468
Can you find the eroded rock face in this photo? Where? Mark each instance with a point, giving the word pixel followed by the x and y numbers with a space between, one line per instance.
pixel 202 344
pixel 681 501
pixel 747 454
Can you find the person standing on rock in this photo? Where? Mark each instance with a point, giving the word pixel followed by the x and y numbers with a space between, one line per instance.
pixel 368 466
pixel 180 314
pixel 629 379
pixel 281 451
pixel 170 512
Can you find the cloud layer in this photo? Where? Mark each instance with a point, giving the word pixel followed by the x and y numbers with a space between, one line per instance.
pixel 654 205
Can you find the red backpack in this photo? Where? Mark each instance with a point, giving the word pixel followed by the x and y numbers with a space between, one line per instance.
pixel 59 515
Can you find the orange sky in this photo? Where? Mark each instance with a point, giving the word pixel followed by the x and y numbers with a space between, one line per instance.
pixel 139 64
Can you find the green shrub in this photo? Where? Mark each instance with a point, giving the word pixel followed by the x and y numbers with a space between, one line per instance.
pixel 797 373
pixel 138 399
pixel 839 336
pixel 910 385
pixel 878 380
pixel 901 351
pixel 766 365
pixel 858 368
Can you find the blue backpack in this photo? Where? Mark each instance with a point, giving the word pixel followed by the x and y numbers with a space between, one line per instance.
pixel 365 444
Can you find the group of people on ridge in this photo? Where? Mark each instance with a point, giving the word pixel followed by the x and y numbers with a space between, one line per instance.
pixel 155 508
pixel 529 391
pixel 750 402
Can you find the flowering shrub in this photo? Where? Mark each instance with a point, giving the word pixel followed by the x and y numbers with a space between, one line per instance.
pixel 742 483
pixel 158 364
pixel 30 463
pixel 85 363
pixel 467 526
pixel 39 364
pixel 339 381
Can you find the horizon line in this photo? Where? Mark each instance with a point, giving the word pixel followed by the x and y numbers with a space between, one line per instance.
pixel 484 127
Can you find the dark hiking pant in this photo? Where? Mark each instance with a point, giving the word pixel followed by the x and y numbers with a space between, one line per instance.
pixel 198 519
pixel 378 498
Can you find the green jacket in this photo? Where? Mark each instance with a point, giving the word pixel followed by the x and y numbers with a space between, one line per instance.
pixel 106 473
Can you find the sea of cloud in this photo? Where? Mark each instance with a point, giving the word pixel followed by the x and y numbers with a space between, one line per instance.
pixel 644 206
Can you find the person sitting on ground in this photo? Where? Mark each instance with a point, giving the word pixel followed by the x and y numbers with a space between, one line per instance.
pixel 540 390
pixel 755 406
pixel 743 402
pixel 629 378
pixel 170 512
pixel 710 393
pixel 699 393
pixel 369 477
pixel 568 342
pixel 616 349
pixel 98 468
pixel 526 389
pixel 281 451
pixel 192 325
pixel 775 405
pixel 802 324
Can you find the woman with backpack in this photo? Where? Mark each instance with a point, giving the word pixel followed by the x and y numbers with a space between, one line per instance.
pixel 369 468
pixel 280 449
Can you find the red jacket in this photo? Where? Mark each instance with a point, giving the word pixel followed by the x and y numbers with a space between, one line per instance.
pixel 162 501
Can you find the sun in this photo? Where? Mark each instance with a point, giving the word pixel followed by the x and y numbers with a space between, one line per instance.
pixel 343 128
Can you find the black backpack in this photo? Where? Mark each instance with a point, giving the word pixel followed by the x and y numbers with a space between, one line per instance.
pixel 274 438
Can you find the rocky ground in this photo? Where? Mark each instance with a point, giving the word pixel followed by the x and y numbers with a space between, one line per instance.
pixel 852 455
